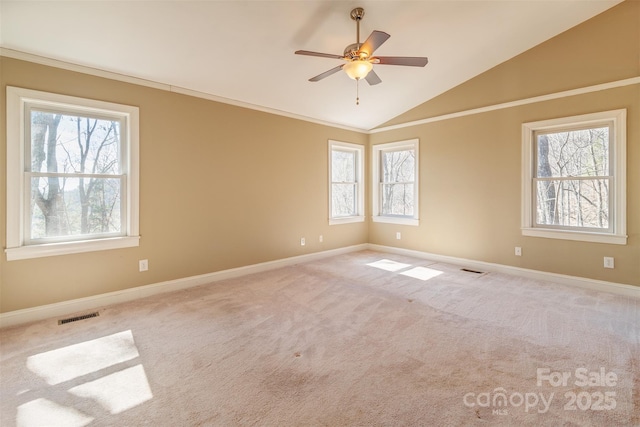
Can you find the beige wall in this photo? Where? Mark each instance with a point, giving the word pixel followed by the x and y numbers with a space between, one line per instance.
pixel 221 187
pixel 470 166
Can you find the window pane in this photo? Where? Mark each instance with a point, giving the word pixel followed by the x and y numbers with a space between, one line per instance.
pixel 62 143
pixel 73 206
pixel 397 199
pixel 343 202
pixel 398 166
pixel 343 166
pixel 576 203
pixel 573 153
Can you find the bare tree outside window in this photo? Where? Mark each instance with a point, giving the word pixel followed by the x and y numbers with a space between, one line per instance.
pixel 72 174
pixel 573 178
pixel 76 181
pixel 343 183
pixel 397 186
pixel 346 182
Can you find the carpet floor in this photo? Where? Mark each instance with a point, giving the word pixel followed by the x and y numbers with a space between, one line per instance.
pixel 362 339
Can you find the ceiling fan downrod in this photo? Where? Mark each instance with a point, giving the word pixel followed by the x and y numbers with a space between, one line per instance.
pixel 357 14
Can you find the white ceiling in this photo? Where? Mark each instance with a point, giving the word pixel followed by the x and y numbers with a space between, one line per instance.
pixel 243 50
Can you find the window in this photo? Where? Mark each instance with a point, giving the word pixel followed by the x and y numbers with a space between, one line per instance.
pixel 72 175
pixel 346 188
pixel 395 178
pixel 574 178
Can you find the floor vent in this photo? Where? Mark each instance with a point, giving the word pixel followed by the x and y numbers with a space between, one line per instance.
pixel 76 318
pixel 472 271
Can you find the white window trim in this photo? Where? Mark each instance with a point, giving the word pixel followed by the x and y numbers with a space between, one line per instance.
pixel 16 248
pixel 410 144
pixel 619 164
pixel 359 150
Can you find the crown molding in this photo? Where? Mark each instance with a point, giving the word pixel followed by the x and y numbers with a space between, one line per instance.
pixel 69 66
pixel 511 104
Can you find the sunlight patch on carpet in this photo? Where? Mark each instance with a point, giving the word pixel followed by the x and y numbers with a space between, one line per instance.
pixel 388 265
pixel 45 412
pixel 119 391
pixel 422 273
pixel 67 363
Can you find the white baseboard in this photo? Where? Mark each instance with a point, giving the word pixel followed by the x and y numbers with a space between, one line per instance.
pixel 598 285
pixel 90 303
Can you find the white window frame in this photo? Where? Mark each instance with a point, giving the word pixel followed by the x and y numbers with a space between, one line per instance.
pixel 618 190
pixel 359 170
pixel 18 99
pixel 377 151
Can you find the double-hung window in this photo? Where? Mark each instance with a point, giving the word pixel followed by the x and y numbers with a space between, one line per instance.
pixel 573 182
pixel 72 174
pixel 346 187
pixel 395 182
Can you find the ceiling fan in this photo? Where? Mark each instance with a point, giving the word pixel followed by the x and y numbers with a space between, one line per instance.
pixel 359 59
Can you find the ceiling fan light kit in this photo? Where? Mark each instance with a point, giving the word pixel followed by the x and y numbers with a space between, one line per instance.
pixel 359 59
pixel 357 69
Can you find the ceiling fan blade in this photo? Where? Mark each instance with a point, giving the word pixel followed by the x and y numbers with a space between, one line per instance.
pixel 412 61
pixel 374 41
pixel 372 78
pixel 326 73
pixel 322 55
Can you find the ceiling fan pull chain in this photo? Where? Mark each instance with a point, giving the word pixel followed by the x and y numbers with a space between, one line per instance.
pixel 357 92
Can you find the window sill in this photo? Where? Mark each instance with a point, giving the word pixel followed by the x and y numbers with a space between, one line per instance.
pixel 66 248
pixel 396 220
pixel 346 220
pixel 581 236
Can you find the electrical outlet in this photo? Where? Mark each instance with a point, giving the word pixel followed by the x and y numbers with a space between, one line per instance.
pixel 303 241
pixel 608 262
pixel 398 235
pixel 143 264
pixel 518 251
pixel 321 239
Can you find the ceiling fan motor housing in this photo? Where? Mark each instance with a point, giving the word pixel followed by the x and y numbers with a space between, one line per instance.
pixel 352 51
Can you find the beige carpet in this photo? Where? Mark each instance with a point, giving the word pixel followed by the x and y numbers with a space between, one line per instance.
pixel 362 339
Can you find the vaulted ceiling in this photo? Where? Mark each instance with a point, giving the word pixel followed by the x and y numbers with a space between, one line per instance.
pixel 243 51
